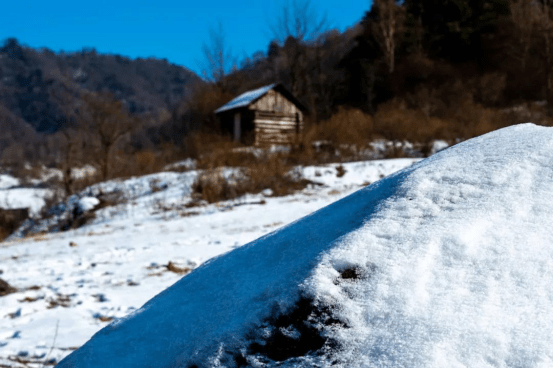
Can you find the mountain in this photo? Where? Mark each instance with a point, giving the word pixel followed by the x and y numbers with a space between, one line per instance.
pixel 445 263
pixel 30 80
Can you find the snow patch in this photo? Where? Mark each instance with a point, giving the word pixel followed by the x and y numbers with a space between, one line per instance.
pixel 445 263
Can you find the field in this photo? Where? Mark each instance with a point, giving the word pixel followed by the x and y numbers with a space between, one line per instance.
pixel 71 284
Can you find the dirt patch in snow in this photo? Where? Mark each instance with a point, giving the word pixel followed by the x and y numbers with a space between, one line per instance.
pixel 6 288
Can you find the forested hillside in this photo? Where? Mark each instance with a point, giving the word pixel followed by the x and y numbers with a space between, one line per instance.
pixel 417 70
pixel 38 87
pixel 409 70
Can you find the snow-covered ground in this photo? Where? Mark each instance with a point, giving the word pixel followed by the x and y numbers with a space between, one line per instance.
pixel 447 263
pixel 8 181
pixel 71 284
pixel 31 198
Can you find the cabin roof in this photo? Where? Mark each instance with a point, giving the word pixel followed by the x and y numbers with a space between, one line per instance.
pixel 250 97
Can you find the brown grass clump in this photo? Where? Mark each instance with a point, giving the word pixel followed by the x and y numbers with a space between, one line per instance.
pixel 176 269
pixel 346 133
pixel 340 171
pixel 396 122
pixel 10 220
pixel 145 162
pixel 212 186
pixel 6 288
pixel 272 172
pixel 269 172
pixel 214 150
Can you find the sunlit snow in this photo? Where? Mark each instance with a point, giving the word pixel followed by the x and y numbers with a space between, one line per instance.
pixel 448 263
pixel 120 261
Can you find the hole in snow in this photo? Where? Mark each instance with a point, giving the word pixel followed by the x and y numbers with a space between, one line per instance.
pixel 351 273
pixel 354 273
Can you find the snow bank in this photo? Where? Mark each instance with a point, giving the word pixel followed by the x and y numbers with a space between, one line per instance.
pixel 8 181
pixel 31 198
pixel 86 204
pixel 446 263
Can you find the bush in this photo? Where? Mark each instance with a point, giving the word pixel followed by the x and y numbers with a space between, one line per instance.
pixel 269 172
pixel 272 172
pixel 10 220
pixel 345 134
pixel 212 186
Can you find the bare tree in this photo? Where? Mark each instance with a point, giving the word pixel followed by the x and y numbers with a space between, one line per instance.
pixel 525 18
pixel 298 28
pixel 108 121
pixel 387 27
pixel 218 59
pixel 545 39
pixel 300 20
pixel 72 133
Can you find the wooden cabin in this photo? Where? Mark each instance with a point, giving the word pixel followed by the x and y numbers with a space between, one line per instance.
pixel 266 116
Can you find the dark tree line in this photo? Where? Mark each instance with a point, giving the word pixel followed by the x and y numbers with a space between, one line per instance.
pixel 402 47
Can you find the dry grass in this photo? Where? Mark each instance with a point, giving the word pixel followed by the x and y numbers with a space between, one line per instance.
pixel 176 269
pixel 456 110
pixel 269 172
pixel 6 288
pixel 340 171
pixel 10 220
pixel 345 134
pixel 273 172
pixel 212 186
pixel 213 151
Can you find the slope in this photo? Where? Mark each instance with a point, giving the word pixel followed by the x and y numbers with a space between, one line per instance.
pixel 446 263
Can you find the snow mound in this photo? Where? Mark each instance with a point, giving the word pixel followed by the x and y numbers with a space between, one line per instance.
pixel 448 263
pixel 86 204
pixel 8 181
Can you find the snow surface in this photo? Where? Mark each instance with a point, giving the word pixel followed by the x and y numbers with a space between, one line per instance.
pixel 86 204
pixel 455 257
pixel 245 98
pixel 8 181
pixel 118 262
pixel 31 198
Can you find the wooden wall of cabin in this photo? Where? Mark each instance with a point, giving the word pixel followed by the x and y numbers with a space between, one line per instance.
pixel 277 128
pixel 276 102
pixel 277 120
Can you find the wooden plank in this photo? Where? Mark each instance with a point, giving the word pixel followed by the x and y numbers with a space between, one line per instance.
pixel 275 115
pixel 264 136
pixel 276 126
pixel 275 123
pixel 274 102
pixel 287 132
pixel 274 134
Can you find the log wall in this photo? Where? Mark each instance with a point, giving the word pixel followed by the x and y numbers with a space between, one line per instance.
pixel 277 128
pixel 274 101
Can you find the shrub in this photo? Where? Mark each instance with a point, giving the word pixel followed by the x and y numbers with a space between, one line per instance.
pixel 272 172
pixel 269 172
pixel 10 220
pixel 345 134
pixel 212 186
pixel 145 162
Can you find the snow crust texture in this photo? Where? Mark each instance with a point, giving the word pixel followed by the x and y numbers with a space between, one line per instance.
pixel 448 263
pixel 75 282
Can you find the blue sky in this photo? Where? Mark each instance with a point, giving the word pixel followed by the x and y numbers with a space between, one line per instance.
pixel 169 29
